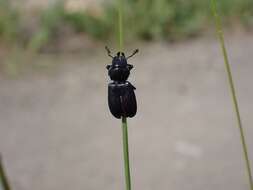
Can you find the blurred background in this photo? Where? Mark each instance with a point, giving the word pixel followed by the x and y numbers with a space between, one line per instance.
pixel 56 131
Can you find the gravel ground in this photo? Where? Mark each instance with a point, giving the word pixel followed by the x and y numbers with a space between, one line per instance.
pixel 56 131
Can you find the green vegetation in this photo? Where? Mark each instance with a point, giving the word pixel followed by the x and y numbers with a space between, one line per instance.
pixel 55 18
pixel 49 23
pixel 175 19
pixel 8 22
pixel 145 19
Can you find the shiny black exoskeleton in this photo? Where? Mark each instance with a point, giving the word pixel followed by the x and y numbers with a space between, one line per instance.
pixel 121 96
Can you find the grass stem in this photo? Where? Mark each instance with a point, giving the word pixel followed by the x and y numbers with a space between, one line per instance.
pixel 126 153
pixel 3 178
pixel 232 89
pixel 120 19
pixel 124 119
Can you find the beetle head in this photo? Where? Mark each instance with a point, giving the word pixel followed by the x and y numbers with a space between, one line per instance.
pixel 119 60
pixel 119 70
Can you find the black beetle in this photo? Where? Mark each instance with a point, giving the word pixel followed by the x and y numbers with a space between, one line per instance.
pixel 121 96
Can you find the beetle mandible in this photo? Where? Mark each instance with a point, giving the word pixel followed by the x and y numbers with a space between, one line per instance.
pixel 121 96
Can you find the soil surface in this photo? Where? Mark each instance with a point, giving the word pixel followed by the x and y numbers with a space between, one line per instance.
pixel 56 131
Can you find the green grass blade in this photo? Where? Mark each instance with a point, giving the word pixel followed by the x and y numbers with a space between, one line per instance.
pixel 124 119
pixel 120 30
pixel 126 154
pixel 232 88
pixel 3 178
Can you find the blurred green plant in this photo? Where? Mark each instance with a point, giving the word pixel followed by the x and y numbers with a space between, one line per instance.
pixel 83 22
pixel 175 19
pixel 49 22
pixel 53 19
pixel 9 22
pixel 145 19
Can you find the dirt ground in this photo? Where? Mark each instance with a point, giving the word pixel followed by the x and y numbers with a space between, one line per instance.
pixel 56 131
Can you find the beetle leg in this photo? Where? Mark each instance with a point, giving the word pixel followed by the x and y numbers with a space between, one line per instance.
pixel 108 67
pixel 130 66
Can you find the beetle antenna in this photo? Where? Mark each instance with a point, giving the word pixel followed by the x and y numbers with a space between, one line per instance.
pixel 135 51
pixel 108 52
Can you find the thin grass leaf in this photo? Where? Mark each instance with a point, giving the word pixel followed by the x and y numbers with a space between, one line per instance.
pixel 126 154
pixel 124 119
pixel 120 18
pixel 232 89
